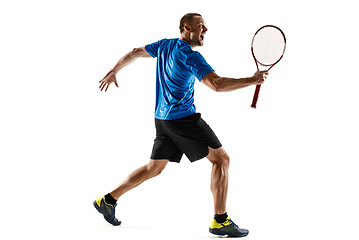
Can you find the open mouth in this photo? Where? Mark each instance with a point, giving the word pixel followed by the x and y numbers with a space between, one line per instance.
pixel 202 37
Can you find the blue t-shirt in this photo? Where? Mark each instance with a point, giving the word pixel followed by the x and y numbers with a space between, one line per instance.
pixel 177 67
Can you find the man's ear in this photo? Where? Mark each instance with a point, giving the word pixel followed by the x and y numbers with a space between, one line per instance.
pixel 188 29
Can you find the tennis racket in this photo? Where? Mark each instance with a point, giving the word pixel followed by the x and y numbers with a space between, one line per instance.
pixel 268 46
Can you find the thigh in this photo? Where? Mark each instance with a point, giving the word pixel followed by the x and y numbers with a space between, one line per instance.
pixel 192 135
pixel 165 148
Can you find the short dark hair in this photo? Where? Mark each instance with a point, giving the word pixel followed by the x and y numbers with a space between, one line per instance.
pixel 187 19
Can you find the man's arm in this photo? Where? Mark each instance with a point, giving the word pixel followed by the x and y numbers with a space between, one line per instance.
pixel 130 58
pixel 223 84
pixel 123 62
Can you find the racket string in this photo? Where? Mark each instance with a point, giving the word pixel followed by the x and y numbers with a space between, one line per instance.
pixel 268 46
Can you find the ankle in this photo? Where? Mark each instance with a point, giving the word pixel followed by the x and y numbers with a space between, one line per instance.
pixel 220 218
pixel 110 200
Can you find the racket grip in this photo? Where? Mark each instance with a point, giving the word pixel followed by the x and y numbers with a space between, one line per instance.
pixel 255 97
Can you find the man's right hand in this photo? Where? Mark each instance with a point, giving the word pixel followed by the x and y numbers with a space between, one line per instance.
pixel 107 80
pixel 259 77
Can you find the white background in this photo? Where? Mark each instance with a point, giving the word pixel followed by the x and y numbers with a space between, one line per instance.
pixel 64 143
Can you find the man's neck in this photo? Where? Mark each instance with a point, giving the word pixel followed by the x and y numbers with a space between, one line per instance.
pixel 184 38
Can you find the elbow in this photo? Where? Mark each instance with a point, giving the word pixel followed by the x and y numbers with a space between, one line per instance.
pixel 217 86
pixel 138 52
pixel 216 89
pixel 214 82
pixel 133 52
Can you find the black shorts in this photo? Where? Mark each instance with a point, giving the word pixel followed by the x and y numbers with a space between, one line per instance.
pixel 190 135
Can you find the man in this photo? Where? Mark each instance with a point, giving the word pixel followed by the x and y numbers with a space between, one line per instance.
pixel 179 128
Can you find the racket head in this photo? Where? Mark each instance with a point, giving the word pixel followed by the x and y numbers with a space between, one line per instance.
pixel 268 46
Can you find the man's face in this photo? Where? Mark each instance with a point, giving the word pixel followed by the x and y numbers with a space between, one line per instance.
pixel 198 30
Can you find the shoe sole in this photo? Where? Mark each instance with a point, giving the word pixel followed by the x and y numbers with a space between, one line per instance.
pixel 223 233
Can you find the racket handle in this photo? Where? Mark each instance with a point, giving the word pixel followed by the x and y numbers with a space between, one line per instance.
pixel 255 97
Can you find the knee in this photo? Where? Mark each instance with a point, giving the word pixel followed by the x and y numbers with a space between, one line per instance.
pixel 155 167
pixel 223 160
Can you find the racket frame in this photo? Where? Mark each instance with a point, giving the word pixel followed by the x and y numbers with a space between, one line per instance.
pixel 258 87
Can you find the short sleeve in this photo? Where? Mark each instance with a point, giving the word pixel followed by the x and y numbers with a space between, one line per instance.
pixel 152 48
pixel 198 65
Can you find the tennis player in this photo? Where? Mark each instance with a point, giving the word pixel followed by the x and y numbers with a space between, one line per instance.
pixel 179 128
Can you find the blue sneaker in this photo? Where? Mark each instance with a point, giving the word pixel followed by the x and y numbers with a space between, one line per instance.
pixel 228 228
pixel 107 210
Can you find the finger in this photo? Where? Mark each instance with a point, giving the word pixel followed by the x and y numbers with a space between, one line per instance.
pixel 103 86
pixel 106 86
pixel 103 79
pixel 116 84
